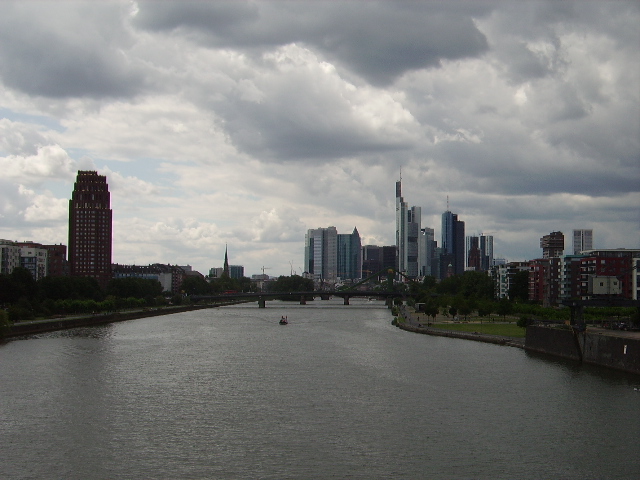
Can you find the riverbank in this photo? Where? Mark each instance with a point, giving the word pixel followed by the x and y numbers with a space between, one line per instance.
pixel 53 324
pixel 411 322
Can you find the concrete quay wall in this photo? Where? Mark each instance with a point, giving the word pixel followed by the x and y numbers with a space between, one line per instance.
pixel 620 352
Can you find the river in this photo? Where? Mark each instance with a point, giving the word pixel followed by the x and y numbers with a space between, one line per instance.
pixel 228 393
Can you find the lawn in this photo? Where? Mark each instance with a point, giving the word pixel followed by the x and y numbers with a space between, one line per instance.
pixel 502 329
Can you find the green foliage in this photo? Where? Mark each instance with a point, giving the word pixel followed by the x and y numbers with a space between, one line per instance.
pixel 504 307
pixel 195 285
pixel 524 321
pixel 519 289
pixel 134 287
pixel 477 285
pixel 485 308
pixel 58 288
pixel 293 283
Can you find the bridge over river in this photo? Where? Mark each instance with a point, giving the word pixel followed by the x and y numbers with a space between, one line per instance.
pixel 302 297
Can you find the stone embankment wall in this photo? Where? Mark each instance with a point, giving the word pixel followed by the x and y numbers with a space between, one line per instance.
pixel 618 352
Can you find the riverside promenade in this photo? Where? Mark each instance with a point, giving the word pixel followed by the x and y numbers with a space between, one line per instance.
pixel 412 321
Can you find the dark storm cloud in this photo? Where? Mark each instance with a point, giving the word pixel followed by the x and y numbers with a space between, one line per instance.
pixel 377 40
pixel 56 49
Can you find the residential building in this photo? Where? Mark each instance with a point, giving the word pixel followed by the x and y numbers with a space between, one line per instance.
pixel 169 276
pixel 552 245
pixel 9 256
pixel 504 275
pixel 34 257
pixel 615 268
pixel 544 280
pixel 90 228
pixel 582 240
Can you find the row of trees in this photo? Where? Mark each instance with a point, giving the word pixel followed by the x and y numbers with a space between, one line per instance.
pixel 24 298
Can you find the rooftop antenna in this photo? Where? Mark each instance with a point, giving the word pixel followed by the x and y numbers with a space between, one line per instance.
pixel 447 203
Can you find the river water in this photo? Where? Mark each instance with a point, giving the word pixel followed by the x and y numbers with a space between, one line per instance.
pixel 339 393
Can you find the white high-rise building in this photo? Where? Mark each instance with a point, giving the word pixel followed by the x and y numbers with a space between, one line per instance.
pixel 321 254
pixel 582 240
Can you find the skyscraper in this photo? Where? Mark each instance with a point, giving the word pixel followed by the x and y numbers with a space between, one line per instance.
pixel 453 251
pixel 349 255
pixel 486 252
pixel 408 226
pixel 582 240
pixel 90 229
pixel 427 246
pixel 321 254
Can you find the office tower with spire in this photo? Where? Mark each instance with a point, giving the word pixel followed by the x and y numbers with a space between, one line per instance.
pixel 408 231
pixel 90 228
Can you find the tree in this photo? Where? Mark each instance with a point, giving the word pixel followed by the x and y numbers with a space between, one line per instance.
pixel 431 309
pixel 134 287
pixel 195 285
pixel 294 283
pixel 519 289
pixel 504 308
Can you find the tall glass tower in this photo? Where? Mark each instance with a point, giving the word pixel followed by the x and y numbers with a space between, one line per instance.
pixel 90 230
pixel 408 226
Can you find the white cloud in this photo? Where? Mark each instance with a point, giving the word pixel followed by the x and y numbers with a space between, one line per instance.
pixel 245 124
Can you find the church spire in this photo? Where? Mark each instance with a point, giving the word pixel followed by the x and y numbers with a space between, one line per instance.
pixel 225 269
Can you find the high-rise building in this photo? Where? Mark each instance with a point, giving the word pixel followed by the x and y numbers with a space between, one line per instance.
pixel 90 218
pixel 349 255
pixel 473 253
pixel 452 244
pixel 321 254
pixel 582 240
pixel 408 227
pixel 552 245
pixel 486 252
pixel 427 246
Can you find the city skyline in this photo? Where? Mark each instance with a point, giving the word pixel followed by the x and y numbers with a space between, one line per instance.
pixel 247 124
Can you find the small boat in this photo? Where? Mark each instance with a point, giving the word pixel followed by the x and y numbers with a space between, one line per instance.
pixel 284 321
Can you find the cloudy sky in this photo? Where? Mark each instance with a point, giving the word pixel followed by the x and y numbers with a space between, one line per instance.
pixel 247 123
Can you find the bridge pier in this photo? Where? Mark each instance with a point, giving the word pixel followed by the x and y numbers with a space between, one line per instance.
pixel 389 302
pixel 346 300
pixel 324 297
pixel 261 302
pixel 303 300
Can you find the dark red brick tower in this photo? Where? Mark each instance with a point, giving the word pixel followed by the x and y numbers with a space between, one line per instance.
pixel 90 218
